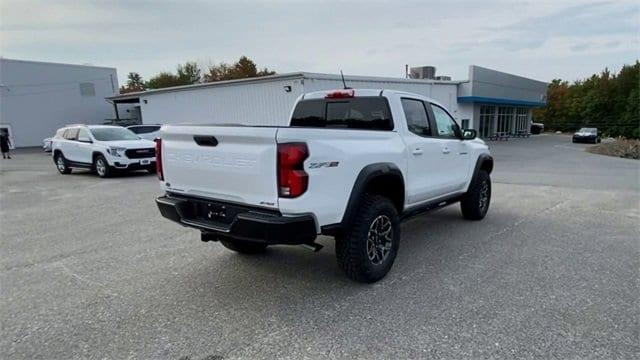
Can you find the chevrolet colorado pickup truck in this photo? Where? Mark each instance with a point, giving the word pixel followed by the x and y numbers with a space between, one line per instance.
pixel 352 164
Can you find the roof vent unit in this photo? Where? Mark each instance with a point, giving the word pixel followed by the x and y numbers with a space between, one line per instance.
pixel 443 78
pixel 423 72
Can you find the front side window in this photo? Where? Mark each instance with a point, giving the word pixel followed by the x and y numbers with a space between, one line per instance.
pixel 416 115
pixel 363 113
pixel 447 127
pixel 113 134
pixel 83 135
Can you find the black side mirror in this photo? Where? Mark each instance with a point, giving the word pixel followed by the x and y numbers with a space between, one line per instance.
pixel 469 134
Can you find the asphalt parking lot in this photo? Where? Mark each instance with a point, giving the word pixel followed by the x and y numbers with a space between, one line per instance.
pixel 89 269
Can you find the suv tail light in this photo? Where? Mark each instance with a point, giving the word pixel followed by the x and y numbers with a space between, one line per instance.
pixel 292 179
pixel 340 94
pixel 159 159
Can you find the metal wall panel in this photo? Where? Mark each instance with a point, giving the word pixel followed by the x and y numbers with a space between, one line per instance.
pixel 37 98
pixel 487 83
pixel 257 103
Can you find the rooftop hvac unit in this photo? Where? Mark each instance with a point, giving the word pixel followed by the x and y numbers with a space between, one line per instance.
pixel 423 72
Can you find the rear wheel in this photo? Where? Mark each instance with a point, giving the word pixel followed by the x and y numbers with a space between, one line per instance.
pixel 61 164
pixel 102 167
pixel 369 247
pixel 476 202
pixel 244 247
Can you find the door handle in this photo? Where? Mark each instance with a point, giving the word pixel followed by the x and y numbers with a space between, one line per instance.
pixel 417 151
pixel 445 150
pixel 204 140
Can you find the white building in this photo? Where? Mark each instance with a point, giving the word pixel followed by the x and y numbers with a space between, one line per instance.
pixel 37 98
pixel 489 101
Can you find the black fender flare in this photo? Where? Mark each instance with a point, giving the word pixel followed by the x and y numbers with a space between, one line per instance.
pixel 95 154
pixel 366 175
pixel 485 161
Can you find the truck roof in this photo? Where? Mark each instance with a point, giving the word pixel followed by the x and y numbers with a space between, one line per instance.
pixel 366 92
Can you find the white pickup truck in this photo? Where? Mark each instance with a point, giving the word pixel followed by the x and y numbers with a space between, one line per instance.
pixel 352 164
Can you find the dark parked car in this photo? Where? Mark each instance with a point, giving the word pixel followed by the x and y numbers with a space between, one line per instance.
pixel 537 128
pixel 587 135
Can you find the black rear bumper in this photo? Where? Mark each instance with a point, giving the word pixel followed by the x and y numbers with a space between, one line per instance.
pixel 229 221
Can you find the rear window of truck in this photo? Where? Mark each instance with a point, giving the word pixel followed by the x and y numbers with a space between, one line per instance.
pixel 363 113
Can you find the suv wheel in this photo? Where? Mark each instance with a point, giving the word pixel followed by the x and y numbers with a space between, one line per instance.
pixel 244 247
pixel 476 203
pixel 102 167
pixel 61 164
pixel 369 247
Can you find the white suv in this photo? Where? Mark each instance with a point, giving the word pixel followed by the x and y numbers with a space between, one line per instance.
pixel 101 148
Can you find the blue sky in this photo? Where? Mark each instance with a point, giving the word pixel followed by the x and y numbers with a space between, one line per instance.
pixel 538 39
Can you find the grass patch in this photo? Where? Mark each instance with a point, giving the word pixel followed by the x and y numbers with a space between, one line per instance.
pixel 624 148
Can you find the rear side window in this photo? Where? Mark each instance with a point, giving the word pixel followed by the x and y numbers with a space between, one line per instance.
pixel 71 134
pixel 416 115
pixel 364 113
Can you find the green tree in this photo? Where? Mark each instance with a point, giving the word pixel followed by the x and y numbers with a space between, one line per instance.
pixel 134 83
pixel 163 80
pixel 241 69
pixel 189 73
pixel 607 101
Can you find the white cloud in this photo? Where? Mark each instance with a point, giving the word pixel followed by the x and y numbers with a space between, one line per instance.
pixel 541 39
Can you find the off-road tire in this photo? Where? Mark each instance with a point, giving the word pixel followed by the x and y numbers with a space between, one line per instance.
pixel 61 164
pixel 101 167
pixel 472 205
pixel 351 247
pixel 244 247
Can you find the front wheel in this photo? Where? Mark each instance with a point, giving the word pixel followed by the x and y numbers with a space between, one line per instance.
pixel 61 165
pixel 368 248
pixel 102 167
pixel 476 202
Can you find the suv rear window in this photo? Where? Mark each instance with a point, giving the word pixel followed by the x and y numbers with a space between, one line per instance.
pixel 144 129
pixel 364 113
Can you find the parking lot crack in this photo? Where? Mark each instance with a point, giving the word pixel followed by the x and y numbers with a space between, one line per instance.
pixel 85 280
pixel 523 219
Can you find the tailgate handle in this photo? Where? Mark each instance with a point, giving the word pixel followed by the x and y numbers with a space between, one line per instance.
pixel 205 140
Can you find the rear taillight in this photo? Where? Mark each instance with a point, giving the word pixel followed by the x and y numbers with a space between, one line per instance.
pixel 292 179
pixel 340 94
pixel 159 159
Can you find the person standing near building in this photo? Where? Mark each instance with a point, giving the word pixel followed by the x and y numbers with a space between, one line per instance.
pixel 4 145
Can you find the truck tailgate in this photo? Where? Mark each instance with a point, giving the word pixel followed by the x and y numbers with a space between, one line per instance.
pixel 230 163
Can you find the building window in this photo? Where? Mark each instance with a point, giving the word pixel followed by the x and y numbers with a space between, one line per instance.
pixel 522 119
pixel 87 89
pixel 505 120
pixel 487 113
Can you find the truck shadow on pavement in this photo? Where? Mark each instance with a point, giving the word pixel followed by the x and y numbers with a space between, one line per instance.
pixel 425 242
